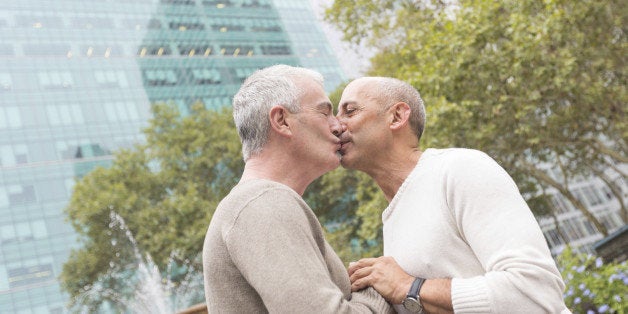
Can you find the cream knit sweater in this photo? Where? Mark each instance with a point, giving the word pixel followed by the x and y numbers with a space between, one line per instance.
pixel 265 252
pixel 459 215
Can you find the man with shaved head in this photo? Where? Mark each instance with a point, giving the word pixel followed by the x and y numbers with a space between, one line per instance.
pixel 458 236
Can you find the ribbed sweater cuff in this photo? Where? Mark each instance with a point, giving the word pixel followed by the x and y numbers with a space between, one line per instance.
pixel 470 295
pixel 372 300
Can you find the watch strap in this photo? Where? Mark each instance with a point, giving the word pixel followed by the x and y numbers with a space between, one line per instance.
pixel 415 288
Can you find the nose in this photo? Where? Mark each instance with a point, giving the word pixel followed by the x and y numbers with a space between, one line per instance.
pixel 335 126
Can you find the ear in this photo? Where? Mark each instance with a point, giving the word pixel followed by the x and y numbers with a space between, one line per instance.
pixel 400 114
pixel 278 120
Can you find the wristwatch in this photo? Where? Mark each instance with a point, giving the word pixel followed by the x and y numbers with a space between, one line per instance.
pixel 412 302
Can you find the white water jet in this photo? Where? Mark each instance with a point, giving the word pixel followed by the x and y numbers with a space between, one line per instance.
pixel 146 291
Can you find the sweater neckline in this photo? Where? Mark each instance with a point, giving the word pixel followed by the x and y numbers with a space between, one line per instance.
pixel 414 173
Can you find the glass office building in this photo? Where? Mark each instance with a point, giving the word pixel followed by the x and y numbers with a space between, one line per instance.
pixel 77 78
pixel 569 225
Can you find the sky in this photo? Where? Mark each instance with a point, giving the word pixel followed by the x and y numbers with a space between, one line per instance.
pixel 354 63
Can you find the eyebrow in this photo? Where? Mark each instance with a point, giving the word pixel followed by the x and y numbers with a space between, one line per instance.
pixel 325 106
pixel 346 103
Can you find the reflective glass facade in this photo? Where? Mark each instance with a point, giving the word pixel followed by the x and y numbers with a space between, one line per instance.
pixel 77 78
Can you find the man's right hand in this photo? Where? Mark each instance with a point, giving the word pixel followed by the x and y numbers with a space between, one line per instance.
pixel 383 274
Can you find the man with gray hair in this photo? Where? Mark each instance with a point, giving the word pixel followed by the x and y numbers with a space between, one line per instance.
pixel 264 250
pixel 458 236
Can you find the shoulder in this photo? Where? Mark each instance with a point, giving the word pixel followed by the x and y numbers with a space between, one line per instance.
pixel 463 160
pixel 263 197
pixel 264 204
pixel 456 155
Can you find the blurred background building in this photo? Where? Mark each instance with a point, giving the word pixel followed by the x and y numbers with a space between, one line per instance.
pixel 76 82
pixel 569 225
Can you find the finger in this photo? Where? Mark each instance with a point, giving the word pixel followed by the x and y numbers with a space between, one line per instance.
pixel 360 284
pixel 352 268
pixel 365 262
pixel 360 273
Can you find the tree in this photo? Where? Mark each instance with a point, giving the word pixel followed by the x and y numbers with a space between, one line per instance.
pixel 165 190
pixel 538 85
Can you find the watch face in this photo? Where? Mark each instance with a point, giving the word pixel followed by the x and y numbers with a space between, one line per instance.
pixel 412 305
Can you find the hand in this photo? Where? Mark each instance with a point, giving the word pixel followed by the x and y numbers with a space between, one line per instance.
pixel 384 275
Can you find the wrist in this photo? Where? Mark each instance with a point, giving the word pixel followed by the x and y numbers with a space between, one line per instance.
pixel 401 290
pixel 412 302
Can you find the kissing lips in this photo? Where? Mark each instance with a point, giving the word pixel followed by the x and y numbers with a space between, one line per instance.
pixel 343 147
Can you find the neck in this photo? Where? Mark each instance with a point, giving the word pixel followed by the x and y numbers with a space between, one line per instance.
pixel 275 169
pixel 390 174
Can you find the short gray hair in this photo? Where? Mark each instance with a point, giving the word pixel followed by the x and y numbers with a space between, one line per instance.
pixel 390 91
pixel 261 91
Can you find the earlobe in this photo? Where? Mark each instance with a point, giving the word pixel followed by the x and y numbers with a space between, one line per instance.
pixel 278 120
pixel 400 115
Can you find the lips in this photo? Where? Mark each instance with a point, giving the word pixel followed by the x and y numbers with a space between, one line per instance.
pixel 343 146
pixel 344 140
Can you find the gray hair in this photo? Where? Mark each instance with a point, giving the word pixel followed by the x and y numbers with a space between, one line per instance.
pixel 264 89
pixel 390 91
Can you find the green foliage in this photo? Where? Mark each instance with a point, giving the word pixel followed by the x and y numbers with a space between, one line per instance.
pixel 535 84
pixel 166 191
pixel 349 204
pixel 592 285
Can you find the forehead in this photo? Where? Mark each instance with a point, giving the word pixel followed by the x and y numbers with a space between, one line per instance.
pixel 359 91
pixel 312 92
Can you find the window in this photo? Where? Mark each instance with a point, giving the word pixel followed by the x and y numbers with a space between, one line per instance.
pixel 64 115
pixel 236 50
pixel 12 155
pixel 559 203
pixel 24 276
pixel 553 237
pixel 218 3
pixel 195 50
pixel 154 51
pixel 160 77
pixel 217 102
pixel 101 50
pixel 154 24
pixel 243 73
pixel 178 2
pixel 225 25
pixel 7 233
pixel 588 226
pixel 10 117
pixel 21 194
pixel 111 79
pixel 265 25
pixel 6 83
pixel 255 4
pixel 183 26
pixel 205 76
pixel 55 79
pixel 592 196
pixel 121 111
pixel 276 50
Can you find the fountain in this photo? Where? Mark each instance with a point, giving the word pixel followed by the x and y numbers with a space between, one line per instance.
pixel 146 290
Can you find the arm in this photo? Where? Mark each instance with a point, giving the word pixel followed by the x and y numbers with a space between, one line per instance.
pixel 277 247
pixel 393 283
pixel 493 219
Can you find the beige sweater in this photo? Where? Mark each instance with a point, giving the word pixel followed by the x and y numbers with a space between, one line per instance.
pixel 265 252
